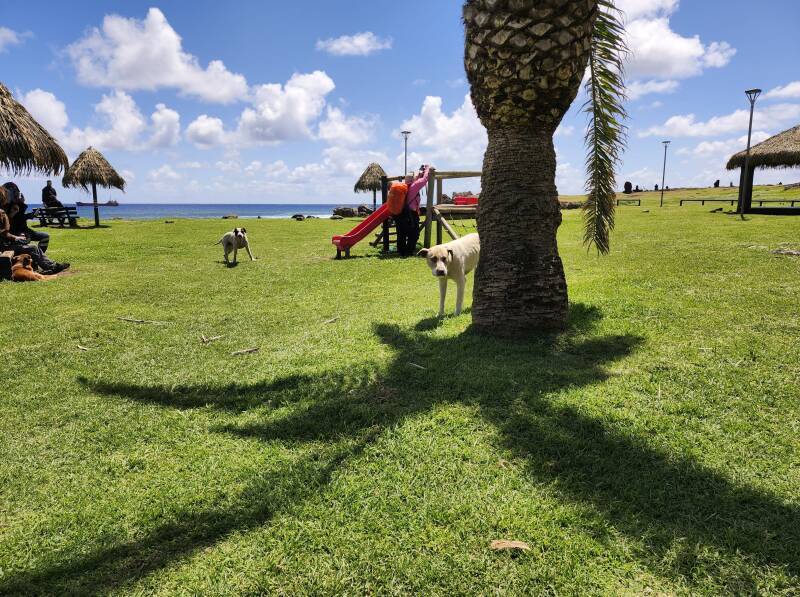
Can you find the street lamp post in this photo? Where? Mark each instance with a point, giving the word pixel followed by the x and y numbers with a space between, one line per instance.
pixel 405 159
pixel 746 188
pixel 664 172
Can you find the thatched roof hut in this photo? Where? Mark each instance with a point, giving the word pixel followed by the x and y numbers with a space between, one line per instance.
pixel 24 144
pixel 91 168
pixel 370 180
pixel 780 151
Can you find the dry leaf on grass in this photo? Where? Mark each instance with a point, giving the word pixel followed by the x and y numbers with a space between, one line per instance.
pixel 506 545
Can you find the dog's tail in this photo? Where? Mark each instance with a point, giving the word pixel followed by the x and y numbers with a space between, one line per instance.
pixel 219 242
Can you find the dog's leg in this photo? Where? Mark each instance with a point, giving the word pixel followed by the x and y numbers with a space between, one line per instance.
pixel 249 253
pixel 442 295
pixel 461 283
pixel 226 255
pixel 235 253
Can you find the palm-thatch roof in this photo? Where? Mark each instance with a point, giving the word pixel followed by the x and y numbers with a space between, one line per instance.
pixel 780 151
pixel 92 168
pixel 370 180
pixel 24 144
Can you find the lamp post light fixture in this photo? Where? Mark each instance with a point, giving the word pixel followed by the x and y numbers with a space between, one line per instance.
pixel 405 160
pixel 664 172
pixel 746 187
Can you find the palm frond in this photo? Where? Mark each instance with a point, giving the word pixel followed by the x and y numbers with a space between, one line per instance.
pixel 606 134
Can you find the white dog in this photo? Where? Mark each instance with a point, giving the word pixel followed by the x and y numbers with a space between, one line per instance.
pixel 233 241
pixel 453 261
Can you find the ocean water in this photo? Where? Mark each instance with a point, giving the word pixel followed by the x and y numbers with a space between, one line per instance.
pixel 159 211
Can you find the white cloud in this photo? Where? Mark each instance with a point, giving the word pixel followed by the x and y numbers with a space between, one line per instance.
pixel 637 9
pixel 48 111
pixel 637 89
pixel 564 130
pixel 660 56
pixel 124 125
pixel 206 132
pixel 457 138
pixel 360 44
pixel 131 54
pixel 189 165
pixel 9 37
pixel 229 166
pixel 163 174
pixel 771 117
pixel 724 149
pixel 658 51
pixel 285 112
pixel 166 127
pixel 790 91
pixel 338 129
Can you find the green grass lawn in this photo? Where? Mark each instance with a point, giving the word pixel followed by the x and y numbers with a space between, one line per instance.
pixel 369 448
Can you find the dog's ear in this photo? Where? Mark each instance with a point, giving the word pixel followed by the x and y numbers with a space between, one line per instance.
pixel 449 254
pixel 422 253
pixel 244 231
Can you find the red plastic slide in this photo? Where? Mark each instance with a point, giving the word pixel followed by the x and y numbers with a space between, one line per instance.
pixel 345 241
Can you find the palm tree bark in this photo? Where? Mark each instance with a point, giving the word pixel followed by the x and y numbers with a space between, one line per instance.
pixel 524 60
pixel 519 284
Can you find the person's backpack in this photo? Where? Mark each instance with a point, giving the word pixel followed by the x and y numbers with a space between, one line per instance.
pixel 397 198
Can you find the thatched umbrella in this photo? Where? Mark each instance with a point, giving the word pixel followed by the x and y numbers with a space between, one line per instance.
pixel 780 151
pixel 370 181
pixel 24 145
pixel 91 168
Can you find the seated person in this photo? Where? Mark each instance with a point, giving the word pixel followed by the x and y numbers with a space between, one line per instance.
pixel 50 196
pixel 19 218
pixel 19 244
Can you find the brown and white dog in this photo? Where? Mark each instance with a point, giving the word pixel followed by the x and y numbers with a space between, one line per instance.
pixel 22 270
pixel 233 241
pixel 453 261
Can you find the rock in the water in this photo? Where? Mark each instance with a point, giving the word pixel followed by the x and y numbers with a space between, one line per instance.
pixel 336 217
pixel 364 210
pixel 298 217
pixel 346 212
pixel 230 217
pixel 311 217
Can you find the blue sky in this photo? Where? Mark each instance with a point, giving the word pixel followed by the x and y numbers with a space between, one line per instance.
pixel 287 102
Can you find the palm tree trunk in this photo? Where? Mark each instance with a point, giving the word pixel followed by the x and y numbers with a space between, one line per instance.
pixel 519 285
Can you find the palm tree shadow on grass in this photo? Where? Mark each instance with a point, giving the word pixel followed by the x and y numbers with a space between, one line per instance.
pixel 657 498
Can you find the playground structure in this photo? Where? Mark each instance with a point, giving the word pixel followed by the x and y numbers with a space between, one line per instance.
pixel 443 215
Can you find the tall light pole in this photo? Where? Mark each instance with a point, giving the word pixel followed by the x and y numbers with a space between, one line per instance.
pixel 746 188
pixel 664 172
pixel 405 161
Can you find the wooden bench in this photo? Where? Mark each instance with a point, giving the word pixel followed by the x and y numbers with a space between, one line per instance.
pixel 57 215
pixel 5 264
pixel 760 202
pixel 629 201
pixel 704 201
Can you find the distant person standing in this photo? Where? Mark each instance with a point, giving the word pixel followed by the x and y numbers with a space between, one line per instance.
pixel 50 196
pixel 408 221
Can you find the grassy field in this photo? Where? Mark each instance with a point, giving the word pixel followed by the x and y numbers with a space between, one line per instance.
pixel 369 448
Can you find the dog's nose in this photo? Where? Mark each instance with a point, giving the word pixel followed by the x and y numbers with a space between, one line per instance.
pixel 439 273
